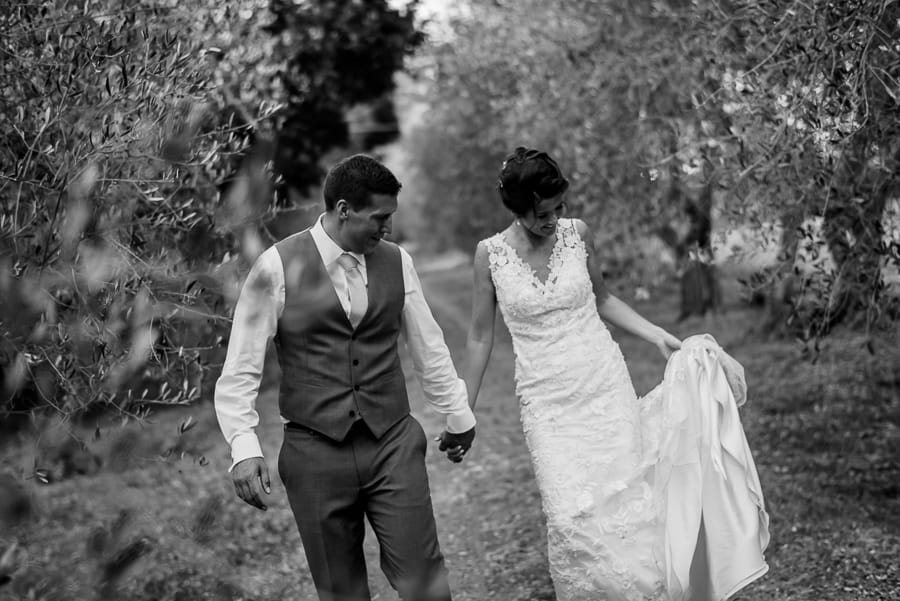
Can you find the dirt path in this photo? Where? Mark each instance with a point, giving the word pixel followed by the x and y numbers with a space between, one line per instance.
pixel 488 508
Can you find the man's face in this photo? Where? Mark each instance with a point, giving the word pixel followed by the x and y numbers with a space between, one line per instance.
pixel 362 230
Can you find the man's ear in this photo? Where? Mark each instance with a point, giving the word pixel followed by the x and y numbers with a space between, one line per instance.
pixel 342 207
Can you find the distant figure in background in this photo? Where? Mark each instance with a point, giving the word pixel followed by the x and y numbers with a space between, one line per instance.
pixel 336 298
pixel 700 289
pixel 623 507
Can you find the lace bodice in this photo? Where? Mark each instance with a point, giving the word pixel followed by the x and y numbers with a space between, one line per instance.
pixel 554 322
pixel 530 305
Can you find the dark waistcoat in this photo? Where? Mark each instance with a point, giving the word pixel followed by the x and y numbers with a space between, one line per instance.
pixel 331 374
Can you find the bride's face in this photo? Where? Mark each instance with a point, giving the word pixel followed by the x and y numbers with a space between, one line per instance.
pixel 546 214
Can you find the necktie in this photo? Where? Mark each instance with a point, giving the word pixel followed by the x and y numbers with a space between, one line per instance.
pixel 356 287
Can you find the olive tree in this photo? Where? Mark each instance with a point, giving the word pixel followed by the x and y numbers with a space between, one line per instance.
pixel 773 112
pixel 142 144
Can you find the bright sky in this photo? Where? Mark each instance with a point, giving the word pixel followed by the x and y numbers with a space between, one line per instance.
pixel 427 8
pixel 435 11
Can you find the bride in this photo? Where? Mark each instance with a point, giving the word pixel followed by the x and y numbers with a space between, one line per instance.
pixel 595 447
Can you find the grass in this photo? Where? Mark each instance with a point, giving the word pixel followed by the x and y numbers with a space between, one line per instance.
pixel 146 511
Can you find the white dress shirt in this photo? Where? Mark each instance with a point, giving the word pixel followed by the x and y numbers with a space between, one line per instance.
pixel 256 315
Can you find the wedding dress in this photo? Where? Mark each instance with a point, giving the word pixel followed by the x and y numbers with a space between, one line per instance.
pixel 604 460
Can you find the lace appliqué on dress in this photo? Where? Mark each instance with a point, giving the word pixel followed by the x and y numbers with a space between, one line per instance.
pixel 583 426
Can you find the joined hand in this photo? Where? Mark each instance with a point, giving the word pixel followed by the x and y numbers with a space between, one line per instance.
pixel 456 445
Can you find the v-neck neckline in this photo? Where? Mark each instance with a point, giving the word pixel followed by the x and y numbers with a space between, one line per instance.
pixel 551 260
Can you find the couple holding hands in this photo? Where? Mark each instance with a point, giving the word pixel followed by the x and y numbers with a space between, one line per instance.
pixel 637 505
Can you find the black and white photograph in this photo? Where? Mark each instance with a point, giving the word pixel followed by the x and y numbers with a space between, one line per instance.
pixel 449 300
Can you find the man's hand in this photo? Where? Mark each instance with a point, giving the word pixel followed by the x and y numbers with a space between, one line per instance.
pixel 456 445
pixel 251 478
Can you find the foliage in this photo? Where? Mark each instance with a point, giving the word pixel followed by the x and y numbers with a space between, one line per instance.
pixel 812 91
pixel 136 166
pixel 112 156
pixel 337 54
pixel 593 83
pixel 778 111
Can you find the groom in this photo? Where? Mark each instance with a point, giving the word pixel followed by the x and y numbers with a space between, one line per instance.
pixel 335 298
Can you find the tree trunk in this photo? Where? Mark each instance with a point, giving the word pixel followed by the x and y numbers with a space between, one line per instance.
pixel 700 292
pixel 854 231
pixel 780 281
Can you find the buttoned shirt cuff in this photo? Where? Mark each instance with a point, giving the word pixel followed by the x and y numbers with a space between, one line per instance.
pixel 244 446
pixel 461 421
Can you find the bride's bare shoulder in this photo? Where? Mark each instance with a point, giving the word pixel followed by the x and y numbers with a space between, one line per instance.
pixel 580 226
pixel 500 236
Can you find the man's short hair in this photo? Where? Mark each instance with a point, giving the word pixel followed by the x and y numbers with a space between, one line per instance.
pixel 355 179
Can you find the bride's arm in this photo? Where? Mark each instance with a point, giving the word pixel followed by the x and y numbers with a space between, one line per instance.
pixel 620 314
pixel 616 311
pixel 480 340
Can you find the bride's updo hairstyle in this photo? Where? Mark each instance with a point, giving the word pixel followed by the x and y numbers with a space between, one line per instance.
pixel 528 176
